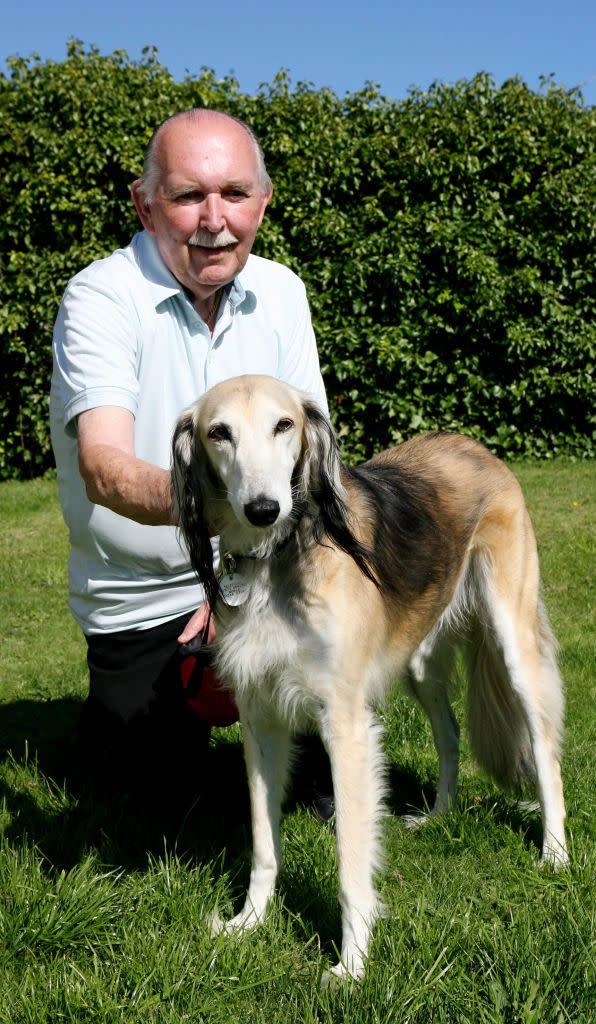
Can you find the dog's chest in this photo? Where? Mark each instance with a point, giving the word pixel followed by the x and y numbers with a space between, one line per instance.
pixel 270 651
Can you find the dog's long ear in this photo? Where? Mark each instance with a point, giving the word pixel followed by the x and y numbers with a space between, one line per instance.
pixel 319 481
pixel 188 500
pixel 320 467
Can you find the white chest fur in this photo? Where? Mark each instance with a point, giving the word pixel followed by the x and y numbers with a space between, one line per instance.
pixel 270 651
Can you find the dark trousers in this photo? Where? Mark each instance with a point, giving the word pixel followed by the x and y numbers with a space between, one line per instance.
pixel 137 730
pixel 133 671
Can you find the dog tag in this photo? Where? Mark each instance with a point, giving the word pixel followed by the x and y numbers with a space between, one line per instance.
pixel 234 589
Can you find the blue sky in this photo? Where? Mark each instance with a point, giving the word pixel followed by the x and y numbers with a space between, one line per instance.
pixel 341 45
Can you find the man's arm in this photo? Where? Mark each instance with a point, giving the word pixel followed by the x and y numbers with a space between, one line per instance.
pixel 113 475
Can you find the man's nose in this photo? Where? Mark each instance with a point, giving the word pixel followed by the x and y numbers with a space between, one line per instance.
pixel 212 217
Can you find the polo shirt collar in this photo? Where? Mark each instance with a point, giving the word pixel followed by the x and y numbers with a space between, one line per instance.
pixel 237 291
pixel 162 283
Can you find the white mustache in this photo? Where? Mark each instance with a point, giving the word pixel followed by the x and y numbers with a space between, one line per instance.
pixel 208 240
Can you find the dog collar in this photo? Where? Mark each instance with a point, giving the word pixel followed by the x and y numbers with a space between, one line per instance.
pixel 229 562
pixel 230 559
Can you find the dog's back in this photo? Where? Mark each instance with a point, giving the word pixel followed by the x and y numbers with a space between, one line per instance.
pixel 423 509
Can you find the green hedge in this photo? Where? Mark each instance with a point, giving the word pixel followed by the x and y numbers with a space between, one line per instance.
pixel 446 241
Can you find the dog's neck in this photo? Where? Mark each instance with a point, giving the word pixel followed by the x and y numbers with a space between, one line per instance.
pixel 231 559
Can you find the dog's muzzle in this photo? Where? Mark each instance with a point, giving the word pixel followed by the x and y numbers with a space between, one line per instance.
pixel 262 511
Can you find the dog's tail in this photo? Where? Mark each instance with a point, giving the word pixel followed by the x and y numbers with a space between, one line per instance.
pixel 501 701
pixel 499 737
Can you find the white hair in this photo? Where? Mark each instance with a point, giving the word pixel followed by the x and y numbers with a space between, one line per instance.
pixel 151 164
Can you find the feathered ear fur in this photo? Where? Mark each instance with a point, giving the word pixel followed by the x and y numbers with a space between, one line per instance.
pixel 188 491
pixel 320 483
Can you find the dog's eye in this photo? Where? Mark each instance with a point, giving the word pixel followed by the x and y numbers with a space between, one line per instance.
pixel 219 433
pixel 283 425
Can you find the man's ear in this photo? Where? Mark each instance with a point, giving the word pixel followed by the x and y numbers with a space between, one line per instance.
pixel 142 207
pixel 266 199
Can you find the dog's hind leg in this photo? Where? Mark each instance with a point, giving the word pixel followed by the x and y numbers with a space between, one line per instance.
pixel 528 655
pixel 351 735
pixel 266 750
pixel 515 700
pixel 429 674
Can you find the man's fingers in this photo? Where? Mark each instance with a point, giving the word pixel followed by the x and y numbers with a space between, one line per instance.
pixel 196 624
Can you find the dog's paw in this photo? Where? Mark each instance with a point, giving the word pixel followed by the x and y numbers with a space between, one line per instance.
pixel 245 921
pixel 340 975
pixel 216 925
pixel 332 979
pixel 527 806
pixel 554 856
pixel 414 821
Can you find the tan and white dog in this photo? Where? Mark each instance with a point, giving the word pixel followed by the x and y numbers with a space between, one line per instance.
pixel 345 579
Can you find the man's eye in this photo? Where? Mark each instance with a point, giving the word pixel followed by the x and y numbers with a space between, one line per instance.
pixel 189 197
pixel 282 426
pixel 219 433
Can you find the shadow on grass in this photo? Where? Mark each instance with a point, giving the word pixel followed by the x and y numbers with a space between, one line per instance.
pixel 528 824
pixel 54 801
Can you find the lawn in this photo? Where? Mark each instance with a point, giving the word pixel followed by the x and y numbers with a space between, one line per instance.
pixel 104 902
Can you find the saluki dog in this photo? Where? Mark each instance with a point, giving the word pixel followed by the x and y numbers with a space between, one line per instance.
pixel 346 578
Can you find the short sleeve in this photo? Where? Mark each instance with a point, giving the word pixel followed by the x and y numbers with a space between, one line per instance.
pixel 95 346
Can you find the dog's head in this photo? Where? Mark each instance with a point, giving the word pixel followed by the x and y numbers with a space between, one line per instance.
pixel 251 458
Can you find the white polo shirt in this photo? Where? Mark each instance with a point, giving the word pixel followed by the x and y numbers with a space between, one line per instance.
pixel 127 335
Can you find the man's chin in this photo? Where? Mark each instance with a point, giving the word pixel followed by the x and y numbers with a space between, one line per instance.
pixel 216 275
pixel 213 272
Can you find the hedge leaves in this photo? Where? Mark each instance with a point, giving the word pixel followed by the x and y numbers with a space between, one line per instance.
pixel 446 240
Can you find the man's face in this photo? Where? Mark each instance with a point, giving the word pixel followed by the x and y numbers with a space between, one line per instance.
pixel 208 192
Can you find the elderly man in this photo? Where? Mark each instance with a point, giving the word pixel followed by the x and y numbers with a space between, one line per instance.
pixel 140 335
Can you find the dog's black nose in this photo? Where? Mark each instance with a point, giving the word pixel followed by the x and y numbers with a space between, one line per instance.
pixel 262 511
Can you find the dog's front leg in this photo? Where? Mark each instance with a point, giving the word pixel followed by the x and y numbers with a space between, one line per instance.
pixel 266 750
pixel 352 738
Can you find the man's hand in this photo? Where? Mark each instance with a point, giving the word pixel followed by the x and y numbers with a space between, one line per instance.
pixel 199 622
pixel 113 475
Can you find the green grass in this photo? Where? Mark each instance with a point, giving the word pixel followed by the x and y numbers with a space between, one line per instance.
pixel 104 905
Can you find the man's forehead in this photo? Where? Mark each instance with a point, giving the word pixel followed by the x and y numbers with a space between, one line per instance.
pixel 185 140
